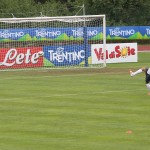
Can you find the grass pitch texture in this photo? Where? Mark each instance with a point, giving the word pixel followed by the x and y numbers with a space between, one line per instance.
pixel 85 109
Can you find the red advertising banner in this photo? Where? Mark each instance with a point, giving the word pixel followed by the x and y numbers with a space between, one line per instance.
pixel 20 57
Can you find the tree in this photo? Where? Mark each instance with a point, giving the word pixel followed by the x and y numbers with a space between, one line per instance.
pixel 118 12
pixel 122 12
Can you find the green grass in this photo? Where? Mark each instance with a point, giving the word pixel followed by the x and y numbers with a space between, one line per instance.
pixel 75 110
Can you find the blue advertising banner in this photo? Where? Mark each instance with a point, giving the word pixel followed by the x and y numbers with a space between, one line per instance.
pixel 128 32
pixel 68 34
pixel 37 34
pixel 65 55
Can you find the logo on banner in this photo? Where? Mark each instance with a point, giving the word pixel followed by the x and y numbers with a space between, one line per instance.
pixel 114 53
pixel 20 57
pixel 8 34
pixel 61 55
pixel 118 32
pixel 147 31
pixel 44 33
pixel 118 52
pixel 80 33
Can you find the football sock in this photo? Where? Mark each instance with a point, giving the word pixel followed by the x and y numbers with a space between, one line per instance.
pixel 148 86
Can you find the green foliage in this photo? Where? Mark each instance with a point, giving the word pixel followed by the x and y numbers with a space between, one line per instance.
pixel 118 12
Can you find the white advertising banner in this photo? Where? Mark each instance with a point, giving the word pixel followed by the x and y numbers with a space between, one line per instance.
pixel 115 53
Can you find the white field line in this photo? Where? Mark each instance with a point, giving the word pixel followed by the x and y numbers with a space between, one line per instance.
pixel 8 99
pixel 75 94
pixel 54 76
pixel 91 93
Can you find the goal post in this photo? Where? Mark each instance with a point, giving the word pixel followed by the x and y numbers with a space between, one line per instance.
pixel 53 42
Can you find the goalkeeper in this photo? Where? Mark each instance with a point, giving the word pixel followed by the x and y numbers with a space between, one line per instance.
pixel 147 76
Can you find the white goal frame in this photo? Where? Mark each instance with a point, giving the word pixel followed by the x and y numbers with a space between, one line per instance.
pixel 26 56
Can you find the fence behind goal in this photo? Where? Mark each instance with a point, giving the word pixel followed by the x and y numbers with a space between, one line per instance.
pixel 50 42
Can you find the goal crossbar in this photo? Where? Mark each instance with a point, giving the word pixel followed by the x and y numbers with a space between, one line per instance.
pixel 46 19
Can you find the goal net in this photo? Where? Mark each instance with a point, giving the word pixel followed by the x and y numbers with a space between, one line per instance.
pixel 52 42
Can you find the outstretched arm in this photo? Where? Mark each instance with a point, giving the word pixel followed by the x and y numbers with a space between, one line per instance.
pixel 137 72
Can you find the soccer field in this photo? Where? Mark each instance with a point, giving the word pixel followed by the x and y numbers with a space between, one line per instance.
pixel 81 109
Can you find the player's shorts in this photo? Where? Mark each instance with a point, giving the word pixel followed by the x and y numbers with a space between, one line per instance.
pixel 148 70
pixel 147 78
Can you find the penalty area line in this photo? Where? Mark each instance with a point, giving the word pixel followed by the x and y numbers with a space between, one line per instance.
pixel 90 93
pixel 57 76
pixel 65 95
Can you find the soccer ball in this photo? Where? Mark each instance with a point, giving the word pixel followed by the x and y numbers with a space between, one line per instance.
pixel 40 53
